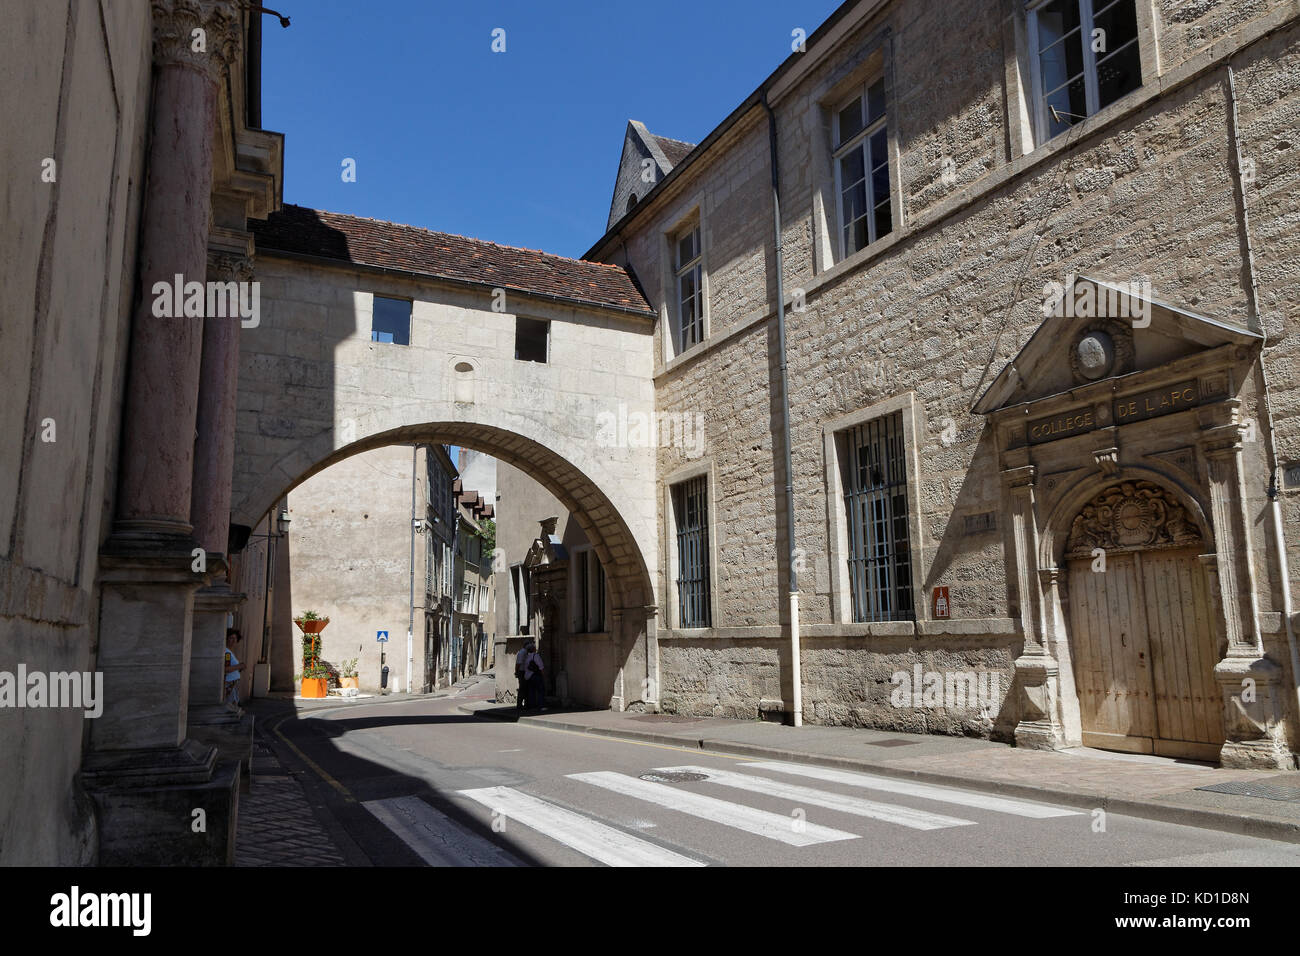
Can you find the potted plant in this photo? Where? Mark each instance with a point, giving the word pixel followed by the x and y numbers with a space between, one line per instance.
pixel 315 675
pixel 348 674
pixel 315 680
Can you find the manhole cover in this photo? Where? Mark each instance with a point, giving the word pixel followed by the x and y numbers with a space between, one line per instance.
pixel 673 776
pixel 1263 790
pixel 665 719
pixel 891 742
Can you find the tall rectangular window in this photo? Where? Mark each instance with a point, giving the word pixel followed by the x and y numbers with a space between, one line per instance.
pixel 589 588
pixel 873 460
pixel 691 505
pixel 1085 56
pixel 862 169
pixel 520 610
pixel 390 320
pixel 688 269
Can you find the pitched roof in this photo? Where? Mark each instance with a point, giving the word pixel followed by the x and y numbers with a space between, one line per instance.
pixel 674 149
pixel 298 230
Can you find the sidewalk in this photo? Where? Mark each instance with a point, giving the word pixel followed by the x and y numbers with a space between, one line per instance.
pixel 1149 787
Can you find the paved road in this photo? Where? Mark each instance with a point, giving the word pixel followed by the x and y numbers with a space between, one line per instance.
pixel 417 783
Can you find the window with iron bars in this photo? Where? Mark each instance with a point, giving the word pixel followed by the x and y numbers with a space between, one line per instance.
pixel 874 468
pixel 691 504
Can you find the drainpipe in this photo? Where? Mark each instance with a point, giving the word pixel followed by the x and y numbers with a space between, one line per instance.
pixel 410 625
pixel 796 669
pixel 1274 494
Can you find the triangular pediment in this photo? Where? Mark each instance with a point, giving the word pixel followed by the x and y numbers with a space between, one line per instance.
pixel 1101 330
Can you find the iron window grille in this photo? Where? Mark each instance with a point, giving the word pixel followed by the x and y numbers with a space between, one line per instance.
pixel 692 513
pixel 874 465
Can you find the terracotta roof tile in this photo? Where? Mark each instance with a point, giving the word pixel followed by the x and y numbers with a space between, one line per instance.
pixel 373 242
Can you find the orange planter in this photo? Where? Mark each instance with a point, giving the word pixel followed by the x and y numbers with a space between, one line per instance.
pixel 349 682
pixel 312 627
pixel 315 687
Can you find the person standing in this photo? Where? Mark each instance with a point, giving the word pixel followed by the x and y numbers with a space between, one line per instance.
pixel 233 668
pixel 521 660
pixel 533 668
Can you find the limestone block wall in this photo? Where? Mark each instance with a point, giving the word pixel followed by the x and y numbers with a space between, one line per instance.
pixel 67 259
pixel 1145 190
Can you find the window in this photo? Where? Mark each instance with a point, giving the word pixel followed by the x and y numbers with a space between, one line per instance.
pixel 691 506
pixel 874 469
pixel 520 610
pixel 862 169
pixel 530 339
pixel 689 273
pixel 589 591
pixel 1085 56
pixel 390 321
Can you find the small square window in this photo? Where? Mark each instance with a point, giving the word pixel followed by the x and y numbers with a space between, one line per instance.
pixel 390 321
pixel 531 339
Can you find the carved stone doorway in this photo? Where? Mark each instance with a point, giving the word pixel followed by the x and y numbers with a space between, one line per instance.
pixel 1141 622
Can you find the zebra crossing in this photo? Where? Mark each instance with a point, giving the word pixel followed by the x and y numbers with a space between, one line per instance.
pixel 417 824
pixel 440 841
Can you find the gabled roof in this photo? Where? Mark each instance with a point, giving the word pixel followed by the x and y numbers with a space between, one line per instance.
pixel 640 146
pixel 313 233
pixel 1161 333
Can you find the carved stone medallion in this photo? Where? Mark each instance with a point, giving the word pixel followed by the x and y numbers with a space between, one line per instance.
pixel 1101 349
pixel 1131 516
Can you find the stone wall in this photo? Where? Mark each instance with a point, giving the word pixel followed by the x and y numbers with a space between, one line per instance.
pixel 78 95
pixel 1144 189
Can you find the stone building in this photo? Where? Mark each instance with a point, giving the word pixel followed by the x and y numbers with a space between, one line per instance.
pixel 475 609
pixel 370 547
pixel 1031 292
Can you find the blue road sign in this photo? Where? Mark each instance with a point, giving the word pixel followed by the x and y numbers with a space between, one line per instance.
pixel 381 636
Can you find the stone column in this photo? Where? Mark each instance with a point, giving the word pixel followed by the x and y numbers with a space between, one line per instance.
pixel 1251 684
pixel 145 775
pixel 214 451
pixel 1037 672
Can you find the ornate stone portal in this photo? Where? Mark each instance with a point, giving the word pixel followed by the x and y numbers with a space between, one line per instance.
pixel 1118 437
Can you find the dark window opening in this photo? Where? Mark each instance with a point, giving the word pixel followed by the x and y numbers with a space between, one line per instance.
pixel 390 321
pixel 530 339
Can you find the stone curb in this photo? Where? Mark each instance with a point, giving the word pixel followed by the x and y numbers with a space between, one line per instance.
pixel 1244 824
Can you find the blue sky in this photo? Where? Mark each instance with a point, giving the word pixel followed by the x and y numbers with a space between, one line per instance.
pixel 519 147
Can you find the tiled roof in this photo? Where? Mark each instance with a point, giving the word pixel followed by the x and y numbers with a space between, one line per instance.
pixel 674 149
pixel 372 242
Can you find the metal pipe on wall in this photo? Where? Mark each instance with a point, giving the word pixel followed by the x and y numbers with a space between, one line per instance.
pixel 796 669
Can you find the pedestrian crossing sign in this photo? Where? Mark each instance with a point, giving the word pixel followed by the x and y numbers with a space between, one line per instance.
pixel 381 636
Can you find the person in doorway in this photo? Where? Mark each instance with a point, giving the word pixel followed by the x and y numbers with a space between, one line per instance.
pixel 533 675
pixel 233 668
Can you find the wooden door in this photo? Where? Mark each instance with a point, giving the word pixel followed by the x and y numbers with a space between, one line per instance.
pixel 1187 699
pixel 1144 655
pixel 1112 661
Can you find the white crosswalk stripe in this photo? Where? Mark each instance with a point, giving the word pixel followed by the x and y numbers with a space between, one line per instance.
pixel 867 781
pixel 589 837
pixel 436 838
pixel 791 830
pixel 885 812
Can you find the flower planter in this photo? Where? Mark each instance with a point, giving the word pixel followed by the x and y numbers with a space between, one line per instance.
pixel 311 627
pixel 315 686
pixel 349 682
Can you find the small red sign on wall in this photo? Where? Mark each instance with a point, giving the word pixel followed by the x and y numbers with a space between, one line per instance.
pixel 940 606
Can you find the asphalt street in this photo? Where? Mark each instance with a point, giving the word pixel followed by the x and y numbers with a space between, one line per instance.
pixel 417 783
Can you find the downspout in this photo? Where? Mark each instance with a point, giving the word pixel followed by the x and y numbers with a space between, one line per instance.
pixel 410 626
pixel 1274 495
pixel 796 669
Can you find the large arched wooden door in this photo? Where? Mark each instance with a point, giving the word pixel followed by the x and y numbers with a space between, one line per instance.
pixel 1141 629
